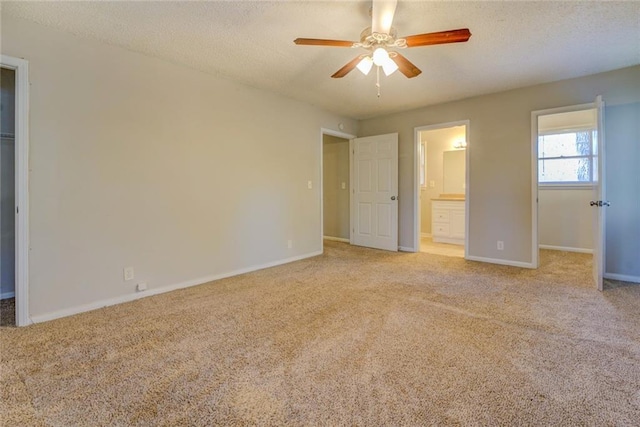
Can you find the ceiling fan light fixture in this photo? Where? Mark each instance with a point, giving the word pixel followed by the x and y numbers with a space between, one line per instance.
pixel 389 67
pixel 365 65
pixel 380 56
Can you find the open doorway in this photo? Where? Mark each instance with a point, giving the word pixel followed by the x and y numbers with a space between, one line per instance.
pixel 441 188
pixel 7 199
pixel 335 187
pixel 568 166
pixel 15 192
pixel 566 176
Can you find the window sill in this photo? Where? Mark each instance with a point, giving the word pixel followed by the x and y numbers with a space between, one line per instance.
pixel 567 186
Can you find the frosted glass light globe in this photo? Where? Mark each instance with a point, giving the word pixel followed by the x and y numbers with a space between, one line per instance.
pixel 380 56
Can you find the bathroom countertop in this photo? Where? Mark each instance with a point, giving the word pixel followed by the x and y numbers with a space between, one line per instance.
pixel 450 197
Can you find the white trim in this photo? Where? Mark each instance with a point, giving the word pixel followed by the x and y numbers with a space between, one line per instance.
pixel 21 68
pixel 406 249
pixel 425 235
pixel 338 134
pixel 500 261
pixel 336 239
pixel 622 277
pixel 566 249
pixel 416 179
pixel 535 245
pixel 7 295
pixel 131 297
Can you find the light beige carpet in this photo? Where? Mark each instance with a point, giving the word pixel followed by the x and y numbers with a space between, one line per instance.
pixel 8 312
pixel 352 337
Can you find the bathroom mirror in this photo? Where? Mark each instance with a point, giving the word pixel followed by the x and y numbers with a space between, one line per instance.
pixel 454 169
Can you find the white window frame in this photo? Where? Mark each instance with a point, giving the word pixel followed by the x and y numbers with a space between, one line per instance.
pixel 568 184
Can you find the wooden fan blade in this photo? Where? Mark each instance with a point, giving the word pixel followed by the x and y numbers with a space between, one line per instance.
pixel 347 68
pixel 322 42
pixel 405 66
pixel 382 12
pixel 442 37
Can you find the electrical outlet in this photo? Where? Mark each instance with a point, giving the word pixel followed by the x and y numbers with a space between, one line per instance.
pixel 344 186
pixel 142 286
pixel 289 244
pixel 432 184
pixel 309 185
pixel 500 245
pixel 128 273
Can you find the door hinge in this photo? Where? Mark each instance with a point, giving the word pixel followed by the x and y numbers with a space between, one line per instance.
pixel 17 209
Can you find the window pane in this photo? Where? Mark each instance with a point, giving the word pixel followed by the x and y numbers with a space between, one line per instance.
pixel 564 144
pixel 564 170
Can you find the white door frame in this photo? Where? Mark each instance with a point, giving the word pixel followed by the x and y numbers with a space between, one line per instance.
pixel 416 180
pixel 339 134
pixel 21 68
pixel 535 249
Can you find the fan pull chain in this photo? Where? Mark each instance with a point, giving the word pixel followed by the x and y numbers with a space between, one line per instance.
pixel 378 80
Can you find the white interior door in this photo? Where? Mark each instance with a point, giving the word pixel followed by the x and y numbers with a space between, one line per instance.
pixel 599 201
pixel 374 188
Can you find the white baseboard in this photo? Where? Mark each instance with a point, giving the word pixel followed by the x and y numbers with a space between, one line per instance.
pixel 406 249
pixel 131 297
pixel 7 295
pixel 336 239
pixel 500 261
pixel 622 277
pixel 566 249
pixel 425 234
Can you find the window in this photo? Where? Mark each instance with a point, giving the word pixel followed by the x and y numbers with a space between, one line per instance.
pixel 568 157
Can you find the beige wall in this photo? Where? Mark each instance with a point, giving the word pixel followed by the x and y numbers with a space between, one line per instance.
pixel 437 141
pixel 622 125
pixel 139 162
pixel 565 218
pixel 335 165
pixel 500 156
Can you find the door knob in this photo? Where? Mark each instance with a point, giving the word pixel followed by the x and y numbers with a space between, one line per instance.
pixel 393 197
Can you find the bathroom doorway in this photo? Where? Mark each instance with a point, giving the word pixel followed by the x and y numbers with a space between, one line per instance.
pixel 442 188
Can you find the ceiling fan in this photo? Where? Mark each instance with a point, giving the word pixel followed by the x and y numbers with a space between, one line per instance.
pixel 380 38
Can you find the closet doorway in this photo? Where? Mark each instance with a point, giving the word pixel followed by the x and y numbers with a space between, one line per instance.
pixel 7 199
pixel 335 190
pixel 14 208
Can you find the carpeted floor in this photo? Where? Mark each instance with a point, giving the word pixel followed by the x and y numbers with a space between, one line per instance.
pixel 8 312
pixel 352 337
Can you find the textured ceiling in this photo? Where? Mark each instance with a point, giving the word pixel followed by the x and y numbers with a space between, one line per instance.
pixel 513 44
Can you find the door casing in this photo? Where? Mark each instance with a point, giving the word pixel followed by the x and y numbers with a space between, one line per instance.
pixel 21 68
